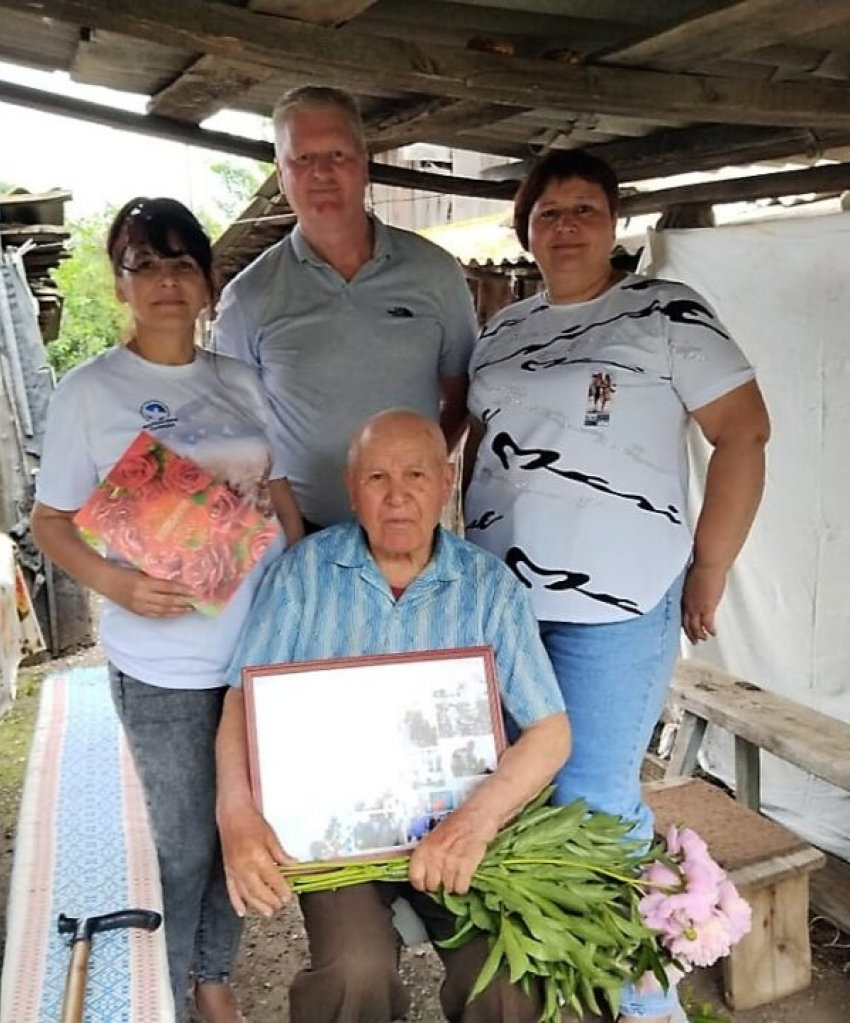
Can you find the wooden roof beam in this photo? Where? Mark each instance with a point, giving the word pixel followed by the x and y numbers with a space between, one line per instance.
pixel 414 121
pixel 828 179
pixel 361 60
pixel 211 82
pixel 205 87
pixel 732 29
pixel 319 12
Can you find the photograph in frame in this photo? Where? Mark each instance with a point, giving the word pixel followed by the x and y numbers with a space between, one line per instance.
pixel 358 757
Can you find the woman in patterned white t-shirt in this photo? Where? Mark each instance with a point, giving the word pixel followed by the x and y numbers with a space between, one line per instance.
pixel 581 396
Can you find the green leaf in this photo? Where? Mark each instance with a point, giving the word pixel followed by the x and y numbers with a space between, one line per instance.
pixel 517 959
pixel 490 968
pixel 460 937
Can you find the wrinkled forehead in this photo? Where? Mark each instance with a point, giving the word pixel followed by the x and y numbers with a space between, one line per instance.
pixel 399 450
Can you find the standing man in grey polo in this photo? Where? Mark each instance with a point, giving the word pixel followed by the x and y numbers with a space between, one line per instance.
pixel 346 316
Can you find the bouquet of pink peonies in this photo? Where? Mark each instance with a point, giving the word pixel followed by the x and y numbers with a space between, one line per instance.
pixel 569 902
pixel 694 907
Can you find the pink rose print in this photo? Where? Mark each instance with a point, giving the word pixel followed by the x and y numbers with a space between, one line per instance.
pixel 134 471
pixel 181 474
pixel 165 564
pixel 210 572
pixel 224 509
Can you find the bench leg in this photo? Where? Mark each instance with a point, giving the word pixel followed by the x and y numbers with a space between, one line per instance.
pixel 683 756
pixel 775 958
pixel 747 774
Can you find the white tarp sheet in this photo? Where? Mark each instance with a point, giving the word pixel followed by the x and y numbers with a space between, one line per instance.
pixel 783 290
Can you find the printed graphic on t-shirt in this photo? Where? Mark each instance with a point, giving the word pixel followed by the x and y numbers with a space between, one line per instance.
pixel 600 393
pixel 156 415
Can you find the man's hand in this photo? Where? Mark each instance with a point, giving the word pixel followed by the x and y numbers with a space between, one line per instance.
pixel 700 598
pixel 143 595
pixel 449 855
pixel 252 855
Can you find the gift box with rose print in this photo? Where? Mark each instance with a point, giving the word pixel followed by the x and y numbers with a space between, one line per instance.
pixel 167 516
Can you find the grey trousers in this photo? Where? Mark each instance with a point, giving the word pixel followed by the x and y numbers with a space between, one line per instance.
pixel 171 733
pixel 354 948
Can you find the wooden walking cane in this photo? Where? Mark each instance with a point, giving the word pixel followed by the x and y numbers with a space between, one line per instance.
pixel 81 930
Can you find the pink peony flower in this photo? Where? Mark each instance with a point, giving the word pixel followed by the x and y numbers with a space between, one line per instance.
pixel 695 909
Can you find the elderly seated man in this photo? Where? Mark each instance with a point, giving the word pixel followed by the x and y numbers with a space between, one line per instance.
pixel 391 582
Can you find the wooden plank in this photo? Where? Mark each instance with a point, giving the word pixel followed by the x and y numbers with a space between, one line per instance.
pixel 775 958
pixel 826 179
pixel 747 773
pixel 830 892
pixel 319 12
pixel 705 147
pixel 358 59
pixel 804 737
pixel 205 87
pixel 689 736
pixel 211 82
pixel 734 28
pixel 431 115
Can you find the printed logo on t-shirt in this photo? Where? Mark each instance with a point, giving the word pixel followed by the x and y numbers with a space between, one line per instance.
pixel 600 394
pixel 400 312
pixel 156 414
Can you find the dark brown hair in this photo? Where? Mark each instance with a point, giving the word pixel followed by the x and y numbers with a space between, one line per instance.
pixel 559 165
pixel 157 223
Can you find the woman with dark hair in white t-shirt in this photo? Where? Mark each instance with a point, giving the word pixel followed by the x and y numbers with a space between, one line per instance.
pixel 581 397
pixel 166 660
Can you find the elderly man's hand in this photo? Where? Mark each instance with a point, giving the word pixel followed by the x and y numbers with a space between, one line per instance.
pixel 450 854
pixel 252 856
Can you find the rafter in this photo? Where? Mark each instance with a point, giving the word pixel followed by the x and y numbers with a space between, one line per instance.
pixel 432 115
pixel 730 30
pixel 205 87
pixel 829 179
pixel 357 59
pixel 319 12
pixel 211 82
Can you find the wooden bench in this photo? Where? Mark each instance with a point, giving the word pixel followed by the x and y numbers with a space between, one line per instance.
pixel 759 720
pixel 770 867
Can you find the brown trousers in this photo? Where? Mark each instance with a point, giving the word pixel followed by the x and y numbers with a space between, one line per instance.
pixel 354 951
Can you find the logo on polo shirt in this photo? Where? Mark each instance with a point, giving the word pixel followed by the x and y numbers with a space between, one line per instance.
pixel 400 311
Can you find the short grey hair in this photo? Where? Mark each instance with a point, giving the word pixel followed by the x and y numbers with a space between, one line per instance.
pixel 307 96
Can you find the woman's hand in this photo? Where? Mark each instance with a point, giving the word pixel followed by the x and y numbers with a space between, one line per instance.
pixel 143 595
pixel 701 596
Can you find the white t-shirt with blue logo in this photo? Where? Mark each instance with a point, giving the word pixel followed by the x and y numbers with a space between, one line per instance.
pixel 211 410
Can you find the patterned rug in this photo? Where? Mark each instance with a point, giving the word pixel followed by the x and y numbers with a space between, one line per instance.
pixel 83 848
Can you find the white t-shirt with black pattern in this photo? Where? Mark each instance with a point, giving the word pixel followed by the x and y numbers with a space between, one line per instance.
pixel 581 477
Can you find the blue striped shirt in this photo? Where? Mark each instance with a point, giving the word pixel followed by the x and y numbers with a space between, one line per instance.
pixel 326 597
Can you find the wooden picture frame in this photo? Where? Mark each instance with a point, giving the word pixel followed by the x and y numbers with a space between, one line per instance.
pixel 362 756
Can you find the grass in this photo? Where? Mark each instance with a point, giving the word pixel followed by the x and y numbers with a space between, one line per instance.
pixel 16 728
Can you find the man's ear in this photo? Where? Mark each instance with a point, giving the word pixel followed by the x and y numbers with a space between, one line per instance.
pixel 279 177
pixel 118 286
pixel 450 472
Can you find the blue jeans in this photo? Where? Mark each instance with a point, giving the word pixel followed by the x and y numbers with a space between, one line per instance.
pixel 614 680
pixel 171 733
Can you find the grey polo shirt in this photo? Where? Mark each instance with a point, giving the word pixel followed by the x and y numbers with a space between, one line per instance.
pixel 332 352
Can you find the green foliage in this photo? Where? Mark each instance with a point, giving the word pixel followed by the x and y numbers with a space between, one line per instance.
pixel 237 183
pixel 92 319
